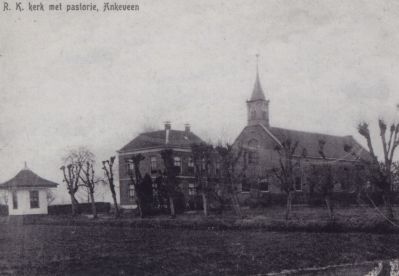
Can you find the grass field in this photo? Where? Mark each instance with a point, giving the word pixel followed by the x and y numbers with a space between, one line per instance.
pixel 354 219
pixel 106 250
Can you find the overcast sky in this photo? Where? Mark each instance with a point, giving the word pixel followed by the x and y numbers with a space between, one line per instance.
pixel 98 79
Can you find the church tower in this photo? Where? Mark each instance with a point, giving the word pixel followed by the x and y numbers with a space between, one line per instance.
pixel 258 106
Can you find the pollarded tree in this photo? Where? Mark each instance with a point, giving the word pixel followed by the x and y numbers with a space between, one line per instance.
pixel 71 169
pixel 202 158
pixel 71 174
pixel 90 181
pixel 382 171
pixel 109 173
pixel 169 178
pixel 146 193
pixel 395 175
pixel 136 179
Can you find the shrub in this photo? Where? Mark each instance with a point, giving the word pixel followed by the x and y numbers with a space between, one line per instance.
pixel 180 203
pixel 195 202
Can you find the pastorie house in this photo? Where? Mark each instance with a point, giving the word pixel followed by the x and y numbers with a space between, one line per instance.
pixel 150 145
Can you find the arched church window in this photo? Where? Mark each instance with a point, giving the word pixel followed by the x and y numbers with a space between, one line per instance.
pixel 253 154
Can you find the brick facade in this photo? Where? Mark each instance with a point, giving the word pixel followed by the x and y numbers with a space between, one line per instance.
pixel 178 141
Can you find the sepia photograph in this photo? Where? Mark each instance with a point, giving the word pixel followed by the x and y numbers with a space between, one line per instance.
pixel 209 137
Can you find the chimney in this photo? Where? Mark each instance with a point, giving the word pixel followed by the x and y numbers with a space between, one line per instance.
pixel 187 129
pixel 168 126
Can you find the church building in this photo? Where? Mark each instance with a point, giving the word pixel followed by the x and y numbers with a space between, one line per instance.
pixel 258 141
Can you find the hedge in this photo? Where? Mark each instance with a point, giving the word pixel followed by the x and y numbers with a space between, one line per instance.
pixel 343 199
pixel 83 208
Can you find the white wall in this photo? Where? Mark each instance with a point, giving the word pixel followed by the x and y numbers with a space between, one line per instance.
pixel 24 203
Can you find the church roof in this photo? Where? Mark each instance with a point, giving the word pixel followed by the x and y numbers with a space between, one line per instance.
pixel 27 179
pixel 154 139
pixel 257 93
pixel 334 147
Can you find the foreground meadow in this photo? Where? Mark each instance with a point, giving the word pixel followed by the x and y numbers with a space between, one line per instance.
pixel 111 250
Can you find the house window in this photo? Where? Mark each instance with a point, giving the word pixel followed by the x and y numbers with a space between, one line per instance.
pixel 264 185
pixel 245 186
pixel 34 199
pixel 177 163
pixel 131 191
pixel 14 200
pixel 190 165
pixel 203 164
pixel 191 189
pixel 153 164
pixel 129 167
pixel 298 184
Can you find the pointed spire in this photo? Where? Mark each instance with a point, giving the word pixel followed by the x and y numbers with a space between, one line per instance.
pixel 257 93
pixel 25 166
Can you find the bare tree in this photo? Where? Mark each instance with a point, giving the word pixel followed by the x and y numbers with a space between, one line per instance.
pixel 72 168
pixel 382 171
pixel 89 181
pixel 285 171
pixel 109 173
pixel 169 178
pixel 50 197
pixel 229 177
pixel 202 155
pixel 71 177
pixel 322 177
pixel 136 179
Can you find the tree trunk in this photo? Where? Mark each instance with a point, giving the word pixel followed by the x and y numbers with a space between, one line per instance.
pixel 74 204
pixel 289 206
pixel 329 207
pixel 93 205
pixel 172 207
pixel 236 205
pixel 139 206
pixel 116 205
pixel 205 203
pixel 388 205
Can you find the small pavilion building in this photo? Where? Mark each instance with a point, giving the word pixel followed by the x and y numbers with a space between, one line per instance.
pixel 26 193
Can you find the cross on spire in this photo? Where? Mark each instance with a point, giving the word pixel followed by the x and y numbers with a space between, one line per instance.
pixel 257 64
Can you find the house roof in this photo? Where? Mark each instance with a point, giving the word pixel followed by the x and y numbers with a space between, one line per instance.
pixel 334 147
pixel 27 179
pixel 162 138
